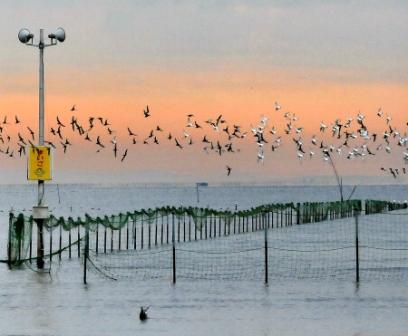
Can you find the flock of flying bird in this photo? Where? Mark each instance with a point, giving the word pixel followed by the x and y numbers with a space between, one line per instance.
pixel 350 138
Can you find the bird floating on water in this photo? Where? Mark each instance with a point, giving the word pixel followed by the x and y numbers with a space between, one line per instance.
pixel 143 313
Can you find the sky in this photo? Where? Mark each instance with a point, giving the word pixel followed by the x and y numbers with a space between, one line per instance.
pixel 321 60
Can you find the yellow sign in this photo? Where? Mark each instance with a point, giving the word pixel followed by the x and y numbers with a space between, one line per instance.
pixel 39 163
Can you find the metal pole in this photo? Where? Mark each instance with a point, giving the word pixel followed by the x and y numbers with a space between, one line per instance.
pixel 357 248
pixel 40 222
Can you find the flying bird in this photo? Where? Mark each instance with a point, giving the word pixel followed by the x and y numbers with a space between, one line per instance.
pixel 124 155
pixel 60 123
pixel 178 144
pixel 146 112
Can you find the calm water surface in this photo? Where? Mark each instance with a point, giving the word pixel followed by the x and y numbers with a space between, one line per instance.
pixel 59 304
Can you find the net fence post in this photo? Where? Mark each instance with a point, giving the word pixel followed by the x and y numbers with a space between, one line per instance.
pixel 173 239
pixel 86 250
pixel 266 248
pixel 11 216
pixel 356 217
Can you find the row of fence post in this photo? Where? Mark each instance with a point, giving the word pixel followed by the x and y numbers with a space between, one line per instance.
pixel 206 228
pixel 266 254
pixel 262 222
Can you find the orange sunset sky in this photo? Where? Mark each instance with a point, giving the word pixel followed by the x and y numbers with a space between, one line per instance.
pixel 321 60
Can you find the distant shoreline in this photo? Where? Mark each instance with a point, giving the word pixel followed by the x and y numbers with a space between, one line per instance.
pixel 193 184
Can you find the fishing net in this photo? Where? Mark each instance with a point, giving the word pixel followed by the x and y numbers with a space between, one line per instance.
pixel 60 234
pixel 19 238
pixel 309 240
pixel 324 249
pixel 384 245
pixel 318 250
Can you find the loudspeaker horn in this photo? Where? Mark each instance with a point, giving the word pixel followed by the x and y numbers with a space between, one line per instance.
pixel 24 35
pixel 60 34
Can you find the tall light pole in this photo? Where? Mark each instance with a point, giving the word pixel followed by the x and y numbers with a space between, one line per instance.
pixel 40 212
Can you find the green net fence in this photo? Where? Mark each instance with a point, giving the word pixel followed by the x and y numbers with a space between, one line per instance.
pixel 151 226
pixel 318 250
pixel 209 243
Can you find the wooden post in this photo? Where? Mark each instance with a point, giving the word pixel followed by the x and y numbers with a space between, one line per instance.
pixel 298 213
pixel 86 250
pixel 174 249
pixel 104 239
pixel 120 238
pixel 127 234
pixel 155 232
pixel 69 243
pixel 184 226
pixel 195 229
pixel 11 216
pixel 205 227
pixel 161 229
pixel 96 238
pixel 201 228
pixel 239 224
pixel 141 234
pixel 272 213
pixel 219 226
pixel 148 230
pixel 167 231
pixel 79 241
pixel 111 240
pixel 59 244
pixel 134 232
pixel 189 228
pixel 266 249
pixel 281 217
pixel 178 229
pixel 357 249
pixel 291 217
pixel 50 244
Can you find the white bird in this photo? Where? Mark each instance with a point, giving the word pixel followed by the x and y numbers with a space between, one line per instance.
pixel 360 117
pixel 277 106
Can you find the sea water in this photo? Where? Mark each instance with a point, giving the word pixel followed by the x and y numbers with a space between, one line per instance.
pixel 59 304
